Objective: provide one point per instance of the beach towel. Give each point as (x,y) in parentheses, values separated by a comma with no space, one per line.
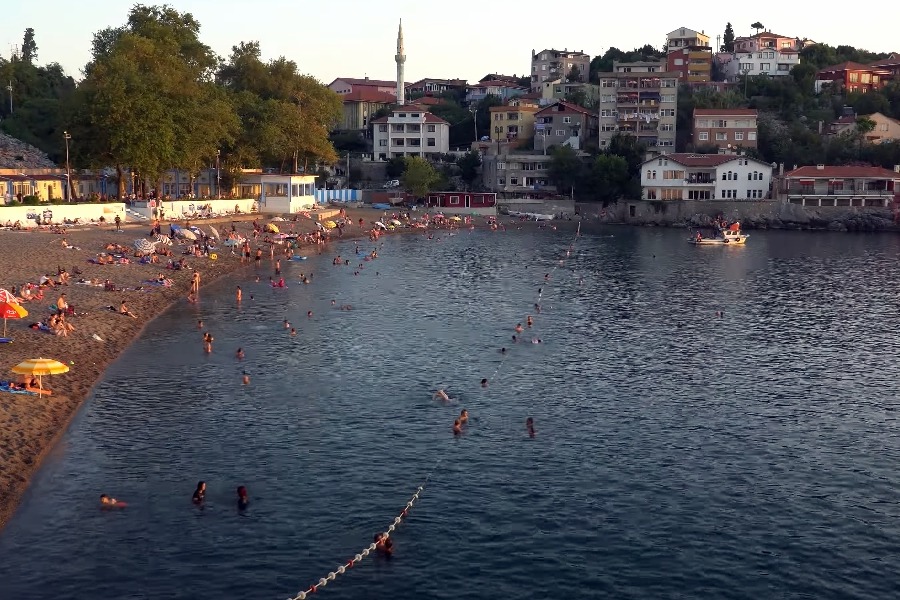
(4,387)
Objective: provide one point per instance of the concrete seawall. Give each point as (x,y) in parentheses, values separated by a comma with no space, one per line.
(753,214)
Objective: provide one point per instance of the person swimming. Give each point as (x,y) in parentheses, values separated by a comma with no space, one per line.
(529,426)
(293,331)
(243,500)
(463,417)
(107,502)
(384,544)
(457,427)
(503,350)
(529,321)
(519,328)
(484,382)
(239,354)
(200,493)
(246,378)
(444,397)
(287,324)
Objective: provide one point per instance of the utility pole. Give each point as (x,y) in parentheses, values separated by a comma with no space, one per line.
(218,176)
(475,122)
(9,87)
(67,137)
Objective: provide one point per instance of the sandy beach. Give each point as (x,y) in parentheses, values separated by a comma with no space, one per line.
(29,424)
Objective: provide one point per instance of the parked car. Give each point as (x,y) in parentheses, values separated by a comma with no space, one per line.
(392,183)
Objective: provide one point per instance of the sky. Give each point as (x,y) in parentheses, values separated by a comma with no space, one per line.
(463,39)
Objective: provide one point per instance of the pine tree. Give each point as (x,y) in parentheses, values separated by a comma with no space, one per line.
(29,47)
(728,39)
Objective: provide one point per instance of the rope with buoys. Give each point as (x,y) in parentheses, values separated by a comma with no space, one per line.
(358,558)
(343,568)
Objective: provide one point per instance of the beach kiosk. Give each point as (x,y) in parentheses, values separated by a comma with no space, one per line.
(282,194)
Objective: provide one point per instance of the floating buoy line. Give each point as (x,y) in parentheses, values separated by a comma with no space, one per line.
(343,568)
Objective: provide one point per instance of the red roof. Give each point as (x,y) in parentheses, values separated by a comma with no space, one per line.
(769,34)
(495,83)
(723,112)
(429,118)
(892,60)
(814,172)
(849,66)
(702,160)
(369,95)
(366,81)
(568,106)
(429,101)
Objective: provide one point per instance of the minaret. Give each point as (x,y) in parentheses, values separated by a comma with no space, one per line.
(400,58)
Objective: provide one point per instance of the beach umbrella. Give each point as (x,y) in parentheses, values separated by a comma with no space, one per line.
(214,233)
(271,228)
(380,225)
(38,367)
(330,224)
(164,240)
(6,296)
(187,235)
(11,310)
(144,246)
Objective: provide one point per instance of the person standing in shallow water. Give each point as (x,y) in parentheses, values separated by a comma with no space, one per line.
(243,500)
(200,493)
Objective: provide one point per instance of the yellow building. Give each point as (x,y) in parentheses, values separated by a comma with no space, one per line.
(513,123)
(46,184)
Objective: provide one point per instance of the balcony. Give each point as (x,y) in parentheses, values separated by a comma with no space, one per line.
(629,83)
(651,83)
(627,100)
(701,179)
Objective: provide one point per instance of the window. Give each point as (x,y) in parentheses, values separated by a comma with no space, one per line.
(667,112)
(854,77)
(651,194)
(382,128)
(607,112)
(402,115)
(883,127)
(560,132)
(671,194)
(667,127)
(501,181)
(744,67)
(382,142)
(513,181)
(607,83)
(751,176)
(679,61)
(724,177)
(415,115)
(673,174)
(607,127)
(454,200)
(501,166)
(721,136)
(431,142)
(720,123)
(738,136)
(702,123)
(751,135)
(649,173)
(667,98)
(665,143)
(866,78)
(431,128)
(567,119)
(667,83)
(703,136)
(723,192)
(699,195)
(765,66)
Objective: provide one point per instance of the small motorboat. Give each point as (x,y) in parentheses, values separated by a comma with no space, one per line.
(724,236)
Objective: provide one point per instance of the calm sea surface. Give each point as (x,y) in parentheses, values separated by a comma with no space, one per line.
(678,454)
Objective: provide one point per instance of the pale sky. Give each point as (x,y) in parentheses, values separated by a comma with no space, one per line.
(460,39)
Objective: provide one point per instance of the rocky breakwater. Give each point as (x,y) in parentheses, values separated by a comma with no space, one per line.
(16,154)
(751,214)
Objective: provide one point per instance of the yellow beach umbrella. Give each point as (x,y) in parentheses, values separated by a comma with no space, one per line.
(455,219)
(330,224)
(38,367)
(271,228)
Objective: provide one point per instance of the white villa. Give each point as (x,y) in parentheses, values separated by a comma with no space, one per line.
(410,131)
(705,177)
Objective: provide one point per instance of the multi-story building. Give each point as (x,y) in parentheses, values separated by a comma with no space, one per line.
(886,129)
(430,87)
(561,90)
(566,124)
(688,54)
(360,104)
(549,65)
(852,77)
(513,123)
(705,177)
(822,185)
(517,174)
(891,63)
(501,89)
(725,127)
(639,99)
(410,130)
(346,85)
(764,53)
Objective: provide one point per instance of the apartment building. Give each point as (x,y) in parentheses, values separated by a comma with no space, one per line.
(886,129)
(688,53)
(561,90)
(517,174)
(764,53)
(725,127)
(639,99)
(853,77)
(564,124)
(549,65)
(513,123)
(705,177)
(410,130)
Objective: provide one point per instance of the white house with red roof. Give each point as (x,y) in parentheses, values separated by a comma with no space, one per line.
(410,130)
(705,177)
(821,185)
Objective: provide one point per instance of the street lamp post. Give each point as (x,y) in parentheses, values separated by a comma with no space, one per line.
(68,137)
(475,122)
(218,176)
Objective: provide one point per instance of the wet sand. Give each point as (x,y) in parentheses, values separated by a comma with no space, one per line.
(29,424)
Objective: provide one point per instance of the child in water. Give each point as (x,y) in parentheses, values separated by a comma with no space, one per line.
(243,500)
(107,502)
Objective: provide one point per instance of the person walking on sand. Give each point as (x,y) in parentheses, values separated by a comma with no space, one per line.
(118,221)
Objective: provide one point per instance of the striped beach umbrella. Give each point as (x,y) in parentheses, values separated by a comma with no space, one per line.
(164,240)
(144,246)
(6,296)
(39,367)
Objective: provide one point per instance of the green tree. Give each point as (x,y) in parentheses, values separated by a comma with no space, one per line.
(574,74)
(607,178)
(395,167)
(29,47)
(566,168)
(757,26)
(728,39)
(468,165)
(420,176)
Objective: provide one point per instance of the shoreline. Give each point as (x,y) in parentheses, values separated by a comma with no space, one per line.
(32,426)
